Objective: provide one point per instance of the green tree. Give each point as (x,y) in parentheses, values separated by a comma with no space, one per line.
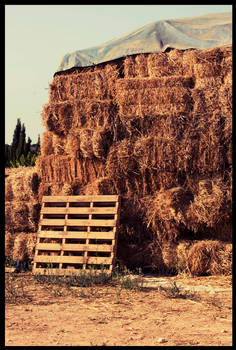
(15,140)
(21,143)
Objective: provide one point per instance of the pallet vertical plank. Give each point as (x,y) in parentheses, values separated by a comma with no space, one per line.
(38,236)
(65,230)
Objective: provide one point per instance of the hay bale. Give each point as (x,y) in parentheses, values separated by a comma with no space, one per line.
(165,211)
(208,204)
(103,186)
(21,216)
(205,258)
(22,185)
(58,89)
(165,64)
(58,117)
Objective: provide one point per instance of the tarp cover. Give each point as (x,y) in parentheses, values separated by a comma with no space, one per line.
(200,32)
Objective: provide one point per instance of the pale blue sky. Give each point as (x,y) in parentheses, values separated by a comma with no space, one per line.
(37,36)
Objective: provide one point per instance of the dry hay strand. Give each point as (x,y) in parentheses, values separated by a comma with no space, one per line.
(30,244)
(72,144)
(62,189)
(165,64)
(9,243)
(101,142)
(88,84)
(207,62)
(21,216)
(141,68)
(93,114)
(182,250)
(19,251)
(154,101)
(58,117)
(86,145)
(85,85)
(44,190)
(200,147)
(225,256)
(47,144)
(120,161)
(58,91)
(56,168)
(101,186)
(58,143)
(169,255)
(208,204)
(22,184)
(165,211)
(225,95)
(152,83)
(143,150)
(208,89)
(205,258)
(129,67)
(227,65)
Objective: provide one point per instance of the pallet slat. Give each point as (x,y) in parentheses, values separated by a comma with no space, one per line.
(82,210)
(77,222)
(101,198)
(75,247)
(77,234)
(73,259)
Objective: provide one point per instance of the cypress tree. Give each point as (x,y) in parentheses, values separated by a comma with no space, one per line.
(27,146)
(21,143)
(15,140)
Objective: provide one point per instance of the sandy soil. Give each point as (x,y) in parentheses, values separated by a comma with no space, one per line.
(114,316)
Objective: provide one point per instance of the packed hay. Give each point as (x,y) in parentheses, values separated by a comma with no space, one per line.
(22,184)
(210,258)
(24,246)
(21,216)
(157,130)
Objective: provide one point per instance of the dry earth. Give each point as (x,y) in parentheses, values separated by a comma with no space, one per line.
(111,315)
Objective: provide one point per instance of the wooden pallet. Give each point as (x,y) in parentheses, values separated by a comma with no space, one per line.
(77,233)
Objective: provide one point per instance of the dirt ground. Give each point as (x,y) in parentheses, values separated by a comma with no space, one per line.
(111,315)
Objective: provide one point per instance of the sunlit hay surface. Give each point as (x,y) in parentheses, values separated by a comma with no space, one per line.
(156,129)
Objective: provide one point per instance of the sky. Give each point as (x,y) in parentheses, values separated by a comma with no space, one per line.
(38,36)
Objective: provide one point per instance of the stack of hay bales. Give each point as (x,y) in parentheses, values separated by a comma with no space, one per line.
(156,129)
(22,210)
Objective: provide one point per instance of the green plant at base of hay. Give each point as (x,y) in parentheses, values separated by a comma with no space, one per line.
(173,291)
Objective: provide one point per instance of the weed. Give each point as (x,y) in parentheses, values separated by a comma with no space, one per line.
(173,291)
